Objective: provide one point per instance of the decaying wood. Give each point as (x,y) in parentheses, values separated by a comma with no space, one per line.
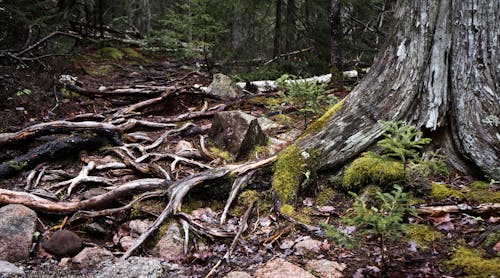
(64,208)
(477,209)
(49,151)
(38,130)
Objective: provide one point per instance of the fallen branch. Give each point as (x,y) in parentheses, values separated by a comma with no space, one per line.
(480,209)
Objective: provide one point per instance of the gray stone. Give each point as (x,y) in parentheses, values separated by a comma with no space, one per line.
(133,267)
(236,132)
(17,226)
(138,227)
(63,243)
(279,268)
(91,257)
(222,87)
(170,247)
(325,268)
(8,270)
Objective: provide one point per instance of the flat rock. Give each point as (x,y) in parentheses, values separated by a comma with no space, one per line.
(138,227)
(91,257)
(279,268)
(63,243)
(170,247)
(236,132)
(134,267)
(222,87)
(238,274)
(9,270)
(308,246)
(17,225)
(325,268)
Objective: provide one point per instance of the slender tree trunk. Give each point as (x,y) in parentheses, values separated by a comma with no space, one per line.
(291,13)
(277,29)
(335,38)
(147,26)
(439,71)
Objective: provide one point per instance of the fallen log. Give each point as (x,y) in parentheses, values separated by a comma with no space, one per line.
(49,151)
(110,131)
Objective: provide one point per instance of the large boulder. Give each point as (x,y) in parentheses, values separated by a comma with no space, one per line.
(236,132)
(63,244)
(222,87)
(17,225)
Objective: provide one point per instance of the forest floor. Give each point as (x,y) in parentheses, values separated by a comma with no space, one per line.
(422,251)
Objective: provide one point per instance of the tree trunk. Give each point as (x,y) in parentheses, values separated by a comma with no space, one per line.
(439,71)
(335,38)
(277,29)
(291,13)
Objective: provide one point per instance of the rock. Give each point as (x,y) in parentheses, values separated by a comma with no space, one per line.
(170,246)
(308,246)
(17,226)
(9,270)
(126,242)
(91,257)
(186,149)
(267,124)
(133,267)
(238,274)
(137,227)
(63,243)
(236,132)
(325,268)
(279,268)
(222,87)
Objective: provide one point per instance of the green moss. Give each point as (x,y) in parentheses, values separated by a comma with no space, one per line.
(133,54)
(371,170)
(471,262)
(440,192)
(289,170)
(482,195)
(324,196)
(259,152)
(492,239)
(111,53)
(248,197)
(479,185)
(69,94)
(319,123)
(222,154)
(423,235)
(289,211)
(283,119)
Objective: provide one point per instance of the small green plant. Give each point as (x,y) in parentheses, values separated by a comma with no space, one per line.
(24,92)
(431,163)
(309,98)
(402,141)
(17,165)
(384,220)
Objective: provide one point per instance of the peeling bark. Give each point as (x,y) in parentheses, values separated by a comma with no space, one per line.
(439,71)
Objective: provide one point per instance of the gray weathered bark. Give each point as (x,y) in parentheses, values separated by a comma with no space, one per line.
(439,71)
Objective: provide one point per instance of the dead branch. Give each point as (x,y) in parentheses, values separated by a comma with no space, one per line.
(479,209)
(235,189)
(64,208)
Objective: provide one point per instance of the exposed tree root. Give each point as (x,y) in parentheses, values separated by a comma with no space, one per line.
(64,208)
(477,209)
